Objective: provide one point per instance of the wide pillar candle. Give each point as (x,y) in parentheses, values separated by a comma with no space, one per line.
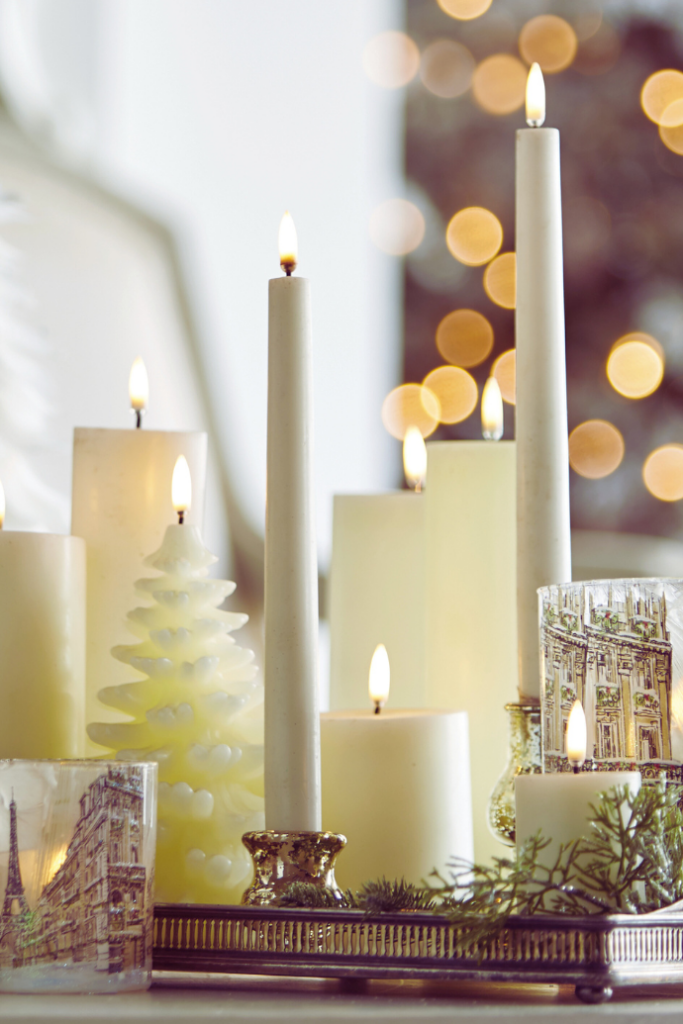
(543,536)
(42,645)
(121,507)
(292,729)
(471,639)
(397,785)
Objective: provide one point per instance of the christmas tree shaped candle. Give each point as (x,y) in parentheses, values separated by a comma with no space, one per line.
(198,712)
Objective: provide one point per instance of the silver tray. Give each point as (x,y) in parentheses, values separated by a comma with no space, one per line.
(595,954)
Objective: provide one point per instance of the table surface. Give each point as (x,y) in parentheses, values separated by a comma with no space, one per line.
(195,999)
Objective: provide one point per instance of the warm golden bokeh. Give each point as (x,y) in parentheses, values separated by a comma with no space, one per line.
(464,337)
(672,137)
(500,280)
(596,449)
(660,91)
(397,227)
(499,84)
(505,371)
(549,41)
(446,68)
(464,10)
(474,236)
(663,472)
(391,59)
(410,405)
(635,366)
(456,391)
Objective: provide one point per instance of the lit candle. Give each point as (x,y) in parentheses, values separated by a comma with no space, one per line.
(396,783)
(292,722)
(138,389)
(42,644)
(414,459)
(543,538)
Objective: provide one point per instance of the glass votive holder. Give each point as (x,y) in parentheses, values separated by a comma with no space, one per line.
(77,842)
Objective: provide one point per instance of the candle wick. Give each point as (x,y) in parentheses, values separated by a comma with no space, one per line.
(418,487)
(181,516)
(576,769)
(378,707)
(138,418)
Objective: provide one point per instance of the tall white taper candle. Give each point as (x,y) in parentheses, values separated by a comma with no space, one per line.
(543,538)
(292,720)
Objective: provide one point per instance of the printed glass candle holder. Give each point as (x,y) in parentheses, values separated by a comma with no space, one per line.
(77,843)
(617,646)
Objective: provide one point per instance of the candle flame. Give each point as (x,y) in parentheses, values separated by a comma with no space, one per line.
(492,411)
(414,459)
(535,97)
(576,735)
(138,386)
(288,244)
(2,506)
(380,676)
(181,486)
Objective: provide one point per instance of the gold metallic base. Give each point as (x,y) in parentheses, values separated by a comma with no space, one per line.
(524,759)
(281,858)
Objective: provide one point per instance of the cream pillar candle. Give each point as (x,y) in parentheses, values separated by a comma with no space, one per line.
(121,506)
(397,785)
(292,755)
(471,639)
(543,537)
(42,645)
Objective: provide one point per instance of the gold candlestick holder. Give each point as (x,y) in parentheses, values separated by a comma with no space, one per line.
(281,858)
(524,759)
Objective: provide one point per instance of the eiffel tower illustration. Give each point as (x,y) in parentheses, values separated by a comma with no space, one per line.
(15,886)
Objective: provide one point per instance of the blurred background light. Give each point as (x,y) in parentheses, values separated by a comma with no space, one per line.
(391,59)
(499,84)
(464,337)
(474,236)
(635,366)
(663,472)
(397,227)
(504,370)
(659,92)
(549,41)
(596,449)
(446,68)
(464,10)
(500,280)
(456,391)
(410,405)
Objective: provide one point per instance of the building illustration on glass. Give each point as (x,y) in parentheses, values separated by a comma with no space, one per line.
(607,646)
(96,907)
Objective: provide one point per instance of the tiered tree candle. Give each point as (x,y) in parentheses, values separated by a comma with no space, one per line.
(198,712)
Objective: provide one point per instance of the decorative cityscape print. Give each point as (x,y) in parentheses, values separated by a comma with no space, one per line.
(609,645)
(77,846)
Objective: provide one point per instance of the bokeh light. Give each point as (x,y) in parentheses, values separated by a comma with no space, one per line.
(549,41)
(446,68)
(499,84)
(456,391)
(505,371)
(500,280)
(397,227)
(672,137)
(596,449)
(474,236)
(391,59)
(464,337)
(410,405)
(635,366)
(663,472)
(659,92)
(464,10)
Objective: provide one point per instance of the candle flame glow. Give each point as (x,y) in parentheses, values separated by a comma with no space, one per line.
(535,97)
(380,677)
(181,486)
(414,459)
(576,735)
(2,506)
(492,411)
(138,386)
(288,244)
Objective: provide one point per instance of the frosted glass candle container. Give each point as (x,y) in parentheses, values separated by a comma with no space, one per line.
(42,645)
(397,785)
(470,603)
(377,595)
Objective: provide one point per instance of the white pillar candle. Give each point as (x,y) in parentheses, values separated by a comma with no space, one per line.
(121,507)
(292,724)
(471,639)
(42,645)
(543,538)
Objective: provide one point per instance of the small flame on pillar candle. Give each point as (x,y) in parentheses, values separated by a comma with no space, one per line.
(181,488)
(414,459)
(535,97)
(138,389)
(492,411)
(2,506)
(576,736)
(380,677)
(288,244)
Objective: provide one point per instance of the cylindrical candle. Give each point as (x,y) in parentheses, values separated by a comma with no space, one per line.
(543,537)
(42,645)
(471,640)
(397,785)
(121,507)
(292,724)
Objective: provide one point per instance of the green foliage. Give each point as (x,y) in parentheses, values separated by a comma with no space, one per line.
(380,897)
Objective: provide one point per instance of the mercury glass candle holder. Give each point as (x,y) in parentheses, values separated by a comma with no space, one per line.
(524,759)
(282,858)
